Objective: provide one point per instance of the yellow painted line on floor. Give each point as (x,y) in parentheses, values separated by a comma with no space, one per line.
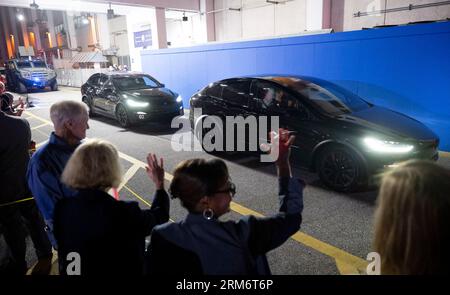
(39,126)
(41,132)
(38,118)
(140,198)
(444,154)
(347,262)
(128,175)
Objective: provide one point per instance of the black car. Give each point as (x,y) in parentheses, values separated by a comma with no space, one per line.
(342,137)
(130,98)
(26,74)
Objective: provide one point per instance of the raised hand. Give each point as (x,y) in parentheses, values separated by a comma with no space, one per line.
(155,170)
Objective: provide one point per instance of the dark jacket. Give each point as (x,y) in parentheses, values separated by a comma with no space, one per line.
(108,234)
(199,246)
(15,138)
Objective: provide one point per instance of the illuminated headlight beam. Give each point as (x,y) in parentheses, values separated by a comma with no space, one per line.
(137,104)
(381,146)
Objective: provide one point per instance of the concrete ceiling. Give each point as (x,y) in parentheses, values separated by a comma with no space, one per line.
(100,6)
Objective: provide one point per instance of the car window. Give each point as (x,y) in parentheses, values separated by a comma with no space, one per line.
(272,97)
(236,92)
(135,82)
(23,64)
(93,80)
(102,80)
(39,64)
(214,90)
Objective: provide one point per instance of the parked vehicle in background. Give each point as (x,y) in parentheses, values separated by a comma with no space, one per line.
(130,98)
(342,137)
(26,74)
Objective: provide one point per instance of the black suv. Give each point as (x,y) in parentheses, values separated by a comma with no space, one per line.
(24,74)
(130,98)
(342,137)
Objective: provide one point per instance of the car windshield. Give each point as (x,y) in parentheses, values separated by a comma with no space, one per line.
(23,64)
(39,64)
(329,97)
(135,82)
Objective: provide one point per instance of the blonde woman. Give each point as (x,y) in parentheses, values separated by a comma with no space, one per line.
(412,221)
(108,234)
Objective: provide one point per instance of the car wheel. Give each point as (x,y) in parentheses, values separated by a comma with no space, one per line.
(54,87)
(122,116)
(22,88)
(340,168)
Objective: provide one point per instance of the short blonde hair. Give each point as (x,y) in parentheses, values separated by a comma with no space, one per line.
(66,110)
(412,220)
(95,165)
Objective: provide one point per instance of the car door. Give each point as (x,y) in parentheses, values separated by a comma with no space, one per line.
(91,86)
(100,99)
(110,97)
(273,100)
(235,98)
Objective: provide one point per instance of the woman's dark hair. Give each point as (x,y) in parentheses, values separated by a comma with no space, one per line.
(193,179)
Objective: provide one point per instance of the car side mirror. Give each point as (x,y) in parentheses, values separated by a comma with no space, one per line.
(163,85)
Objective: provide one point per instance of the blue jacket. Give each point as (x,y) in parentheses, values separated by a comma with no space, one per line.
(196,246)
(44,173)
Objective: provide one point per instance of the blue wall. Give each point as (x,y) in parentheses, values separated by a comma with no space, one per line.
(405,68)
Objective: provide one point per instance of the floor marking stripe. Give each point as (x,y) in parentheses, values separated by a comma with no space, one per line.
(128,175)
(444,154)
(39,126)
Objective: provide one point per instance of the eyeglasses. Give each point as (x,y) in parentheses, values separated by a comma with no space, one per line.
(230,190)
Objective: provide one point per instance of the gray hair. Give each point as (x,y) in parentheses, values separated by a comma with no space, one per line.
(66,110)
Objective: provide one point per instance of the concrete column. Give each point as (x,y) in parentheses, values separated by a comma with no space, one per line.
(24,31)
(37,33)
(69,26)
(51,28)
(13,27)
(102,29)
(326,15)
(314,14)
(161,27)
(205,6)
(6,32)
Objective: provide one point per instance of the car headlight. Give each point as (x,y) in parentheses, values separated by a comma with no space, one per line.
(385,146)
(179,98)
(137,104)
(25,74)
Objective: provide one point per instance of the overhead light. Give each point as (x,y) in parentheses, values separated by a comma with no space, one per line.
(85,20)
(34,5)
(20,17)
(185,18)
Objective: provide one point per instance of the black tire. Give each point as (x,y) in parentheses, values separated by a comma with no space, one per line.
(122,116)
(340,169)
(54,87)
(21,88)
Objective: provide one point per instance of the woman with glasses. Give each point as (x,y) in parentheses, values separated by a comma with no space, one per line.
(203,244)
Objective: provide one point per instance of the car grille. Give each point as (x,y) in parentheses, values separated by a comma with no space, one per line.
(39,75)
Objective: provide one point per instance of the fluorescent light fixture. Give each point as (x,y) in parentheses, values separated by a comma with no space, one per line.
(179,98)
(384,146)
(137,104)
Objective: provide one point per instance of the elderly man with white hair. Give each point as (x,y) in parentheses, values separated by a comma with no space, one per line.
(70,120)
